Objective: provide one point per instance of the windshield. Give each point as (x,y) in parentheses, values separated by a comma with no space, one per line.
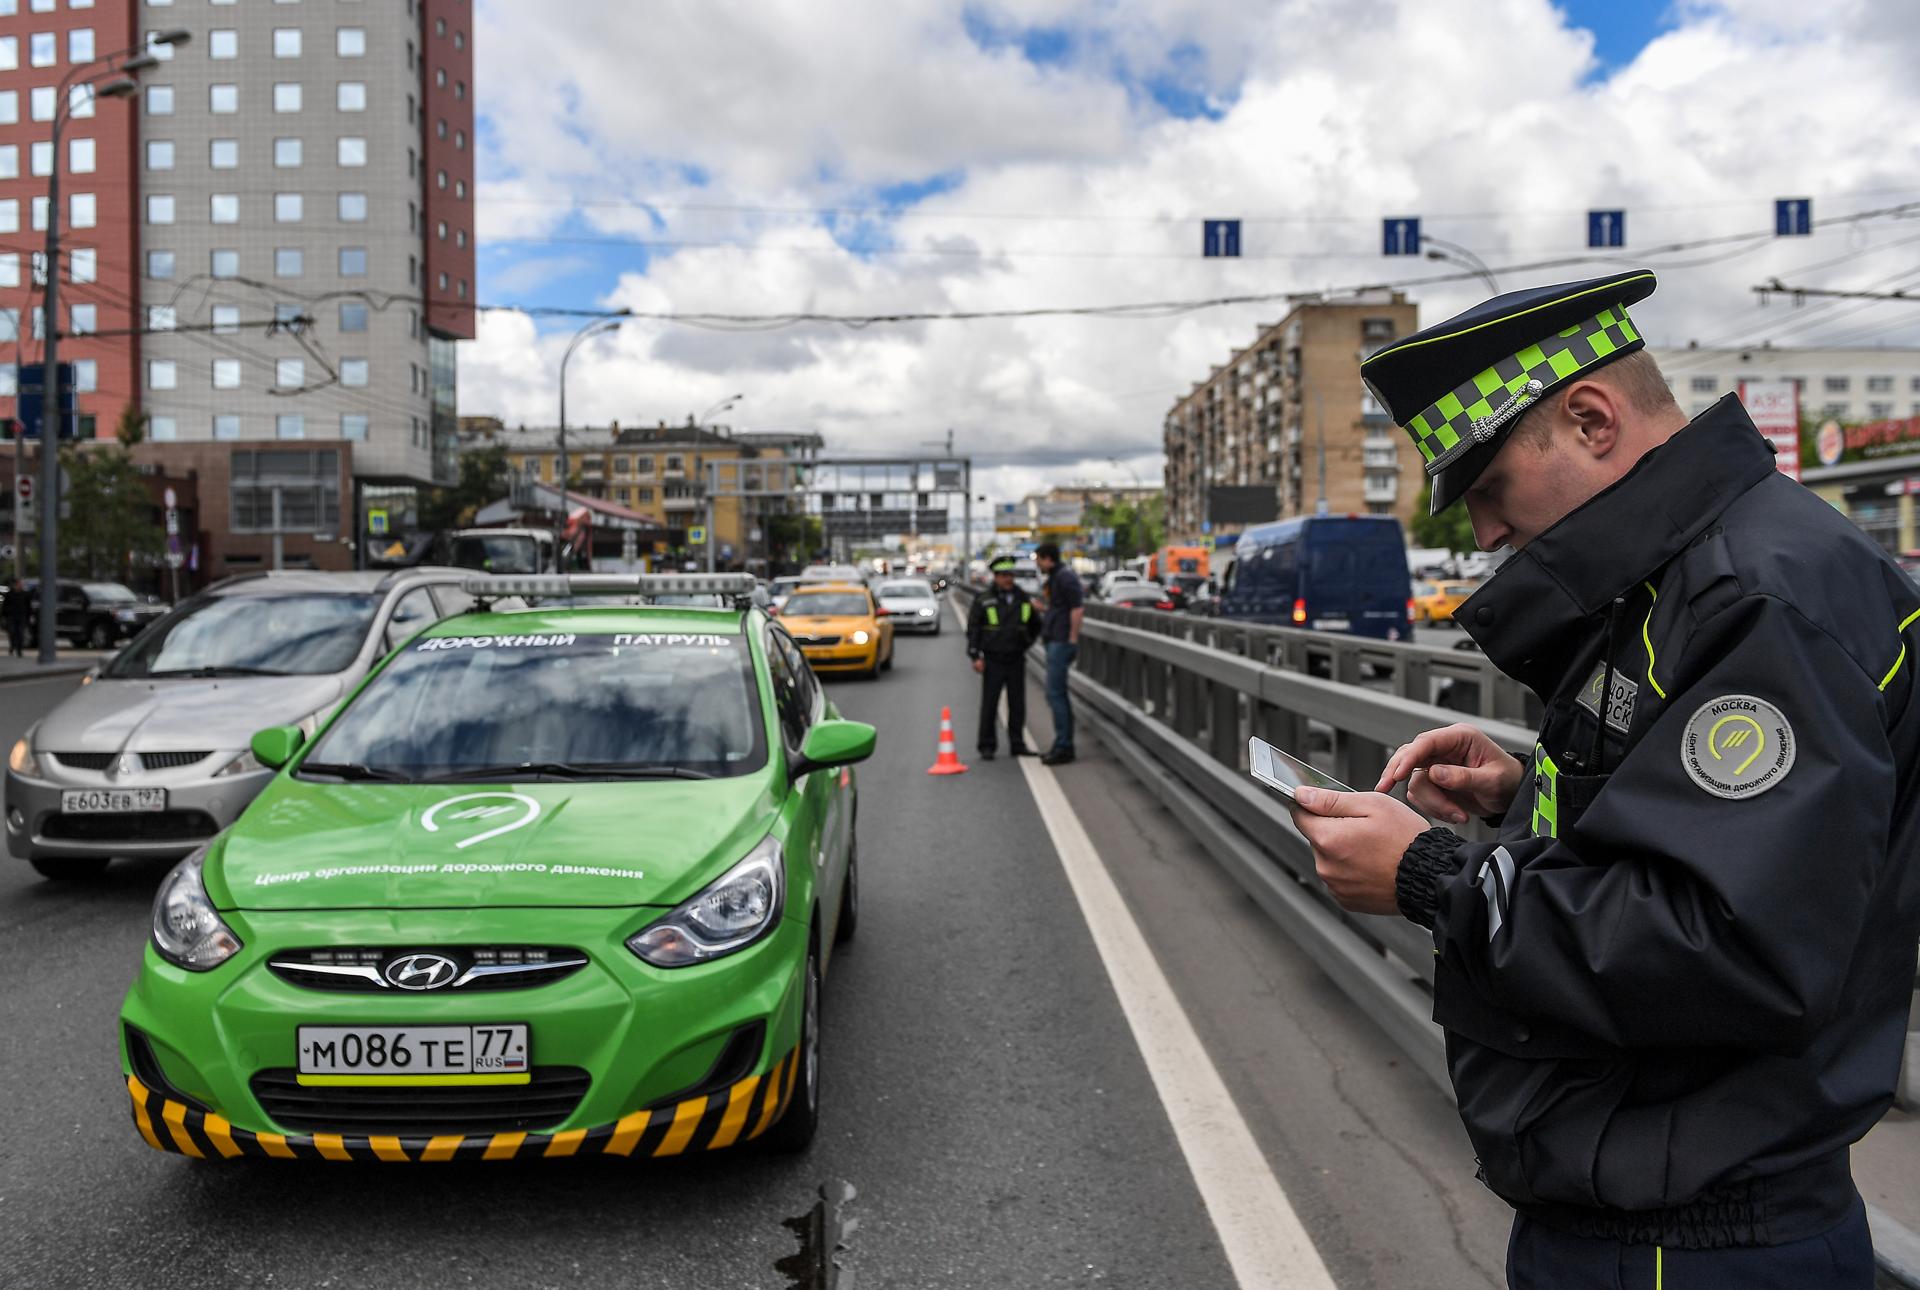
(109,593)
(558,703)
(499,553)
(828,604)
(304,633)
(907,591)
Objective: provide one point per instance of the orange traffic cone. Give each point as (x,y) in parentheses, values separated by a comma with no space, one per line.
(947,762)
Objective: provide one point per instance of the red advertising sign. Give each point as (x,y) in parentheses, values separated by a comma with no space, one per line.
(1775,409)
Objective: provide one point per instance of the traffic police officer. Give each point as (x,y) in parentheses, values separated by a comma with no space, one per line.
(1676,988)
(1001,626)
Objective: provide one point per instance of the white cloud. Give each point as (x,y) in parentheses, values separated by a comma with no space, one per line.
(1077,189)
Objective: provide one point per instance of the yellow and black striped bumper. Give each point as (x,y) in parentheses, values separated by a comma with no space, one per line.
(738,1113)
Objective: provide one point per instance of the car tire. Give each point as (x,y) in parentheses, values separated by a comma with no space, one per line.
(849,921)
(84,869)
(794,1131)
(98,637)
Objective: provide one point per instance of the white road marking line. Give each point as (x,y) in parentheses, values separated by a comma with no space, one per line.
(1266,1246)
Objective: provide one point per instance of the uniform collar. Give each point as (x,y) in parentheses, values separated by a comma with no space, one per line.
(1524,617)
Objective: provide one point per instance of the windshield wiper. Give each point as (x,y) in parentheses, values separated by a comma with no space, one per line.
(354,770)
(222,670)
(571,770)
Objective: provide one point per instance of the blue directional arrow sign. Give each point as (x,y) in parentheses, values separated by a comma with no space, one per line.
(1606,228)
(1400,236)
(1793,217)
(1220,237)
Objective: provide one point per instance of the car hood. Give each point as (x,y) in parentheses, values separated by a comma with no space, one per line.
(908,604)
(174,715)
(827,623)
(310,845)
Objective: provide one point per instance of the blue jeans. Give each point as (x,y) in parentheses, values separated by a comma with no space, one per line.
(1060,657)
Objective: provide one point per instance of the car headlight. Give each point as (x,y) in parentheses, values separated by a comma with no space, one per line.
(186,928)
(732,913)
(927,613)
(860,638)
(125,616)
(245,764)
(21,761)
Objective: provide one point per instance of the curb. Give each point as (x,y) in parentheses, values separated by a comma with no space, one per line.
(44,673)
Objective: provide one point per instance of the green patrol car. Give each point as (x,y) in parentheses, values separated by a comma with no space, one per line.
(552,882)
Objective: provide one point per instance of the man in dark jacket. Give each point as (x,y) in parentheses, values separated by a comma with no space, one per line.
(1000,628)
(18,609)
(1675,990)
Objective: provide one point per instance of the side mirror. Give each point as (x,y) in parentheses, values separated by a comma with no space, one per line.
(275,746)
(831,743)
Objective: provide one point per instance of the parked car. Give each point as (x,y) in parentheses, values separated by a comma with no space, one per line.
(151,758)
(1113,578)
(1329,573)
(1143,595)
(97,615)
(911,604)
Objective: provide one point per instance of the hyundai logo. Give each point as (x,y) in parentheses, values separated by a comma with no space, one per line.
(421,971)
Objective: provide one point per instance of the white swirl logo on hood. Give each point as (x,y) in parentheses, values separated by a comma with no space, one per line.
(498,804)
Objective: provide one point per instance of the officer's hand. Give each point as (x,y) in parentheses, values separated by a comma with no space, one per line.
(979,665)
(1455,772)
(1357,840)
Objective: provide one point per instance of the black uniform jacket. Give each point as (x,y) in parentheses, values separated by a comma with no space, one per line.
(1007,640)
(1677,988)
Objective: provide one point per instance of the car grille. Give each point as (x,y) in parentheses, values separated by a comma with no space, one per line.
(545,1101)
(818,640)
(86,760)
(130,826)
(151,760)
(358,969)
(171,760)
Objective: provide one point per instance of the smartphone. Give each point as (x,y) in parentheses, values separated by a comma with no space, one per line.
(1283,772)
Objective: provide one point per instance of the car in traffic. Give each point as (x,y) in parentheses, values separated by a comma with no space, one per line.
(780,588)
(501,550)
(1143,595)
(1325,573)
(1113,579)
(438,935)
(842,573)
(93,615)
(1434,603)
(150,757)
(911,605)
(840,628)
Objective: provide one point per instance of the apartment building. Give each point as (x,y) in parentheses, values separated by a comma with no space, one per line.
(1289,413)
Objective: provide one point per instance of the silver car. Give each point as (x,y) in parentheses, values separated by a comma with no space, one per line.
(910,604)
(150,757)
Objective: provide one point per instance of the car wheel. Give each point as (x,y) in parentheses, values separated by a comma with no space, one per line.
(99,637)
(794,1132)
(84,869)
(849,898)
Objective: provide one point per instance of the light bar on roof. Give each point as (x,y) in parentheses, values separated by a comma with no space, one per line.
(554,585)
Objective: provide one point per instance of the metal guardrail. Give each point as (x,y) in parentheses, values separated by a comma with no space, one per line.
(1175,697)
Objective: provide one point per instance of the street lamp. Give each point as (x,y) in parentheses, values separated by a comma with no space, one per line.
(607,323)
(115,65)
(721,406)
(1451,253)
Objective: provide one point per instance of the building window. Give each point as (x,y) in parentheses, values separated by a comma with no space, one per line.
(86,376)
(40,158)
(162,52)
(460,189)
(440,127)
(441,179)
(223,99)
(1838,384)
(83,320)
(224,208)
(289,426)
(1703,384)
(460,140)
(353,208)
(459,40)
(353,372)
(226,373)
(40,220)
(289,314)
(226,426)
(440,77)
(44,99)
(442,230)
(223,43)
(1834,410)
(225,263)
(287,96)
(159,100)
(623,465)
(645,494)
(443,281)
(288,208)
(351,96)
(289,373)
(9,53)
(80,155)
(80,102)
(352,150)
(83,265)
(9,107)
(286,153)
(353,425)
(353,261)
(161,429)
(160,264)
(439,26)
(43,49)
(353,315)
(159,154)
(10,219)
(1879,385)
(10,267)
(350,42)
(162,318)
(83,211)
(1880,411)
(286,42)
(162,374)
(460,237)
(460,288)
(289,262)
(224,154)
(226,320)
(460,89)
(160,208)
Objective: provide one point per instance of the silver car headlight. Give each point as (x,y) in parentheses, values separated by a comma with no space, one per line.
(928,613)
(731,913)
(186,928)
(22,760)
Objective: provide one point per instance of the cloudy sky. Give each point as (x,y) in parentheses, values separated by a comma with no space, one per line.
(877,156)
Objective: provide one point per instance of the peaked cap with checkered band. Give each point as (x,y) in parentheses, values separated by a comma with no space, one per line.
(1459,388)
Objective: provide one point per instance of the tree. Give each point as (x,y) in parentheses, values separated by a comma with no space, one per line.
(1138,527)
(109,525)
(1450,528)
(485,477)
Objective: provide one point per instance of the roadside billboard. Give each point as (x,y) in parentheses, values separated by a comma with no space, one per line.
(1775,409)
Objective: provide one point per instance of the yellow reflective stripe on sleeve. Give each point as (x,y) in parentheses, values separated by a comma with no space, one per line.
(1894,671)
(331,1146)
(275,1145)
(221,1133)
(1659,1268)
(175,1114)
(504,1146)
(388,1147)
(565,1143)
(442,1146)
(1648,641)
(686,1118)
(739,1102)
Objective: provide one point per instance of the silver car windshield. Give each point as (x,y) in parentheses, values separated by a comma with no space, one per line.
(293,634)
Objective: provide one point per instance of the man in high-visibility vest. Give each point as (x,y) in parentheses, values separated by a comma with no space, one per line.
(1000,629)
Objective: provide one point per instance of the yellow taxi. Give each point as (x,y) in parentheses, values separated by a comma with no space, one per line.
(839,627)
(1434,602)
